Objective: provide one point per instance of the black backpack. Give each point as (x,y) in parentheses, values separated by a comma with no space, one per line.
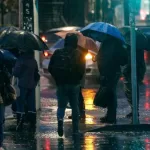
(62,64)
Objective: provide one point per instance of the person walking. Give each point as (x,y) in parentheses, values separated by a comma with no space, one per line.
(141,69)
(111,56)
(67,69)
(26,70)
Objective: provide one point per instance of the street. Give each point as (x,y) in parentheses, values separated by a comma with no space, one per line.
(46,137)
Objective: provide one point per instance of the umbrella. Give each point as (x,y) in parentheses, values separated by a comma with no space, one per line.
(100,30)
(7,57)
(5,30)
(22,41)
(141,40)
(83,41)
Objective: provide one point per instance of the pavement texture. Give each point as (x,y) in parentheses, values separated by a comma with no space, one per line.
(108,137)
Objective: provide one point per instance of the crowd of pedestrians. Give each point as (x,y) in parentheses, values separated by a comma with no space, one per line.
(67,66)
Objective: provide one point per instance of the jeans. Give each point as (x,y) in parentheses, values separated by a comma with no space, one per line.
(27,96)
(2,111)
(68,93)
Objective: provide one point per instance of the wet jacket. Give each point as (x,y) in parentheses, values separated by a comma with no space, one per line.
(111,56)
(78,61)
(78,69)
(25,69)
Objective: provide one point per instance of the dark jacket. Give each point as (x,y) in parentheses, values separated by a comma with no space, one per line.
(111,56)
(78,68)
(140,65)
(26,69)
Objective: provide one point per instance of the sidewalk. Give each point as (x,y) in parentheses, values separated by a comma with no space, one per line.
(46,137)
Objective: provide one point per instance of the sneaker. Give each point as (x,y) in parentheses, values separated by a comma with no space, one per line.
(60,128)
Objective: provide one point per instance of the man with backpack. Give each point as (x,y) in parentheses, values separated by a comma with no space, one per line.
(67,69)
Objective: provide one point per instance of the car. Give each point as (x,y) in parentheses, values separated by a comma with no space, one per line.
(91,66)
(49,37)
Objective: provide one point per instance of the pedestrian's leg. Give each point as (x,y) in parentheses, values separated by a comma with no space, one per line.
(20,108)
(128,93)
(73,99)
(2,110)
(112,107)
(62,97)
(81,104)
(31,108)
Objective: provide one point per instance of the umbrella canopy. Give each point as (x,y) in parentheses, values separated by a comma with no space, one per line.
(6,30)
(83,41)
(100,30)
(141,40)
(8,57)
(22,41)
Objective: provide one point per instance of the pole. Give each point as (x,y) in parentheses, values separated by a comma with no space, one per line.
(2,12)
(132,7)
(20,13)
(37,54)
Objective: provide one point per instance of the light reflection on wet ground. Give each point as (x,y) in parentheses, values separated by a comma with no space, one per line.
(46,135)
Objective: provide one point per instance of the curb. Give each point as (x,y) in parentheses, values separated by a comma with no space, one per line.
(122,128)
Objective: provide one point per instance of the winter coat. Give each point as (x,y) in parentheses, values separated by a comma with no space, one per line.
(111,56)
(25,70)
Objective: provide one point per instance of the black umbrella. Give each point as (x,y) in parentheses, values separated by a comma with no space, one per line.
(7,58)
(141,40)
(6,30)
(22,41)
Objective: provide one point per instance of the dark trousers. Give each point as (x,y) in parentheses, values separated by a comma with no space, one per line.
(68,93)
(27,97)
(111,84)
(81,103)
(128,91)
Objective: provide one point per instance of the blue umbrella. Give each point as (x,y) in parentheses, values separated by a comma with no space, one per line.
(99,30)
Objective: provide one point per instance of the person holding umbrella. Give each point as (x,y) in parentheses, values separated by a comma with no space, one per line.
(111,56)
(26,70)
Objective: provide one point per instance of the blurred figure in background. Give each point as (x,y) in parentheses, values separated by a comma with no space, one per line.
(141,69)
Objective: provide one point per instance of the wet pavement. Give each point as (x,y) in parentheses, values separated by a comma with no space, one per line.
(46,137)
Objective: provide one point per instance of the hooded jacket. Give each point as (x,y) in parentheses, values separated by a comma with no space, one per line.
(77,59)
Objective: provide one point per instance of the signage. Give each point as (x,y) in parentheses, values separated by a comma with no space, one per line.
(28,18)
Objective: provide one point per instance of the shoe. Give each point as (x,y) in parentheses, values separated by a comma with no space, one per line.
(60,128)
(106,120)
